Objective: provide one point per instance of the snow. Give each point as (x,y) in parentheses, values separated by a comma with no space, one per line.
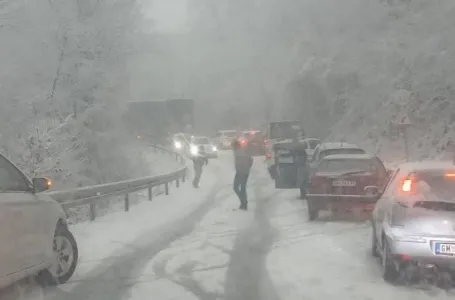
(174,248)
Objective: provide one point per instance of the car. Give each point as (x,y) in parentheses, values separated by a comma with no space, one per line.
(254,141)
(180,142)
(339,181)
(413,223)
(210,148)
(224,138)
(331,148)
(35,239)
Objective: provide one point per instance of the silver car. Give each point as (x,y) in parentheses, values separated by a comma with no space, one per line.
(414,222)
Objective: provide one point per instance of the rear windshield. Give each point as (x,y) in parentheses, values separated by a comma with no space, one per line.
(255,135)
(438,190)
(351,165)
(201,140)
(328,152)
(232,133)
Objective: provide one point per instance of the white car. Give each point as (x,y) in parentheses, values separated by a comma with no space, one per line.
(210,148)
(34,235)
(225,138)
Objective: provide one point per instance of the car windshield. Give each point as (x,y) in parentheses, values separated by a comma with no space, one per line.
(201,140)
(349,165)
(328,152)
(285,130)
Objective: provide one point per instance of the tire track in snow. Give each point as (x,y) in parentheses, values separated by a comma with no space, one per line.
(247,276)
(114,279)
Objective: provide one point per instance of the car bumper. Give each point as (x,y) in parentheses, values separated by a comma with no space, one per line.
(422,252)
(340,202)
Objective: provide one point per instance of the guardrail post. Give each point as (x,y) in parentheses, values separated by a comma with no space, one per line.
(166,188)
(177,182)
(150,194)
(127,202)
(92,211)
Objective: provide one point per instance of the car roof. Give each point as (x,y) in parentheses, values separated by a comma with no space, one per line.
(338,145)
(429,165)
(228,130)
(349,156)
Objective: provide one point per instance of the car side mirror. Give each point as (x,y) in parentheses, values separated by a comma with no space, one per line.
(372,190)
(41,184)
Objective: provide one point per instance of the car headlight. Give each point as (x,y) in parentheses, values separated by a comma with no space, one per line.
(193,150)
(214,148)
(178,145)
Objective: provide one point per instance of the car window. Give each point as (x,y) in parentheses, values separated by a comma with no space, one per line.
(201,140)
(313,144)
(315,155)
(11,179)
(350,165)
(328,152)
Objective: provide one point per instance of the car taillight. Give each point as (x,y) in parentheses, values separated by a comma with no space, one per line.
(243,142)
(268,155)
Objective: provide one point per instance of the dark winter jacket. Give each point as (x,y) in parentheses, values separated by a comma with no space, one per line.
(199,160)
(243,161)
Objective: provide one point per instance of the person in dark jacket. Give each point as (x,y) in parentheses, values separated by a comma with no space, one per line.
(302,167)
(199,160)
(243,163)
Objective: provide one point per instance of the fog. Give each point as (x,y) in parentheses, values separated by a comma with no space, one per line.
(344,68)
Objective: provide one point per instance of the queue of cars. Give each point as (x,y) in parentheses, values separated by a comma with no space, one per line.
(412,209)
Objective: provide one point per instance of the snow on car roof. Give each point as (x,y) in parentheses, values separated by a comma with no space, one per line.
(349,156)
(338,145)
(430,165)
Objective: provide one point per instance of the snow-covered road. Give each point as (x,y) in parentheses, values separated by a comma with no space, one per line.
(193,245)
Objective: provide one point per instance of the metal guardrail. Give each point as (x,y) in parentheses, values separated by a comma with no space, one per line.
(92,195)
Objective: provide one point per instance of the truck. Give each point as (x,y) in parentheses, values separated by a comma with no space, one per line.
(155,120)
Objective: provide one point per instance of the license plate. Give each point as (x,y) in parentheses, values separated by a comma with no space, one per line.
(445,249)
(344,183)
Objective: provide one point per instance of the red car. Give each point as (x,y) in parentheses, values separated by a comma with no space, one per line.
(340,183)
(255,141)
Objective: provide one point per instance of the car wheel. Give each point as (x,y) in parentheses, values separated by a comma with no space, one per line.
(374,242)
(390,272)
(65,259)
(313,211)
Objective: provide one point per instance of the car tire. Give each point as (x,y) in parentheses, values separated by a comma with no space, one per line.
(65,250)
(390,272)
(374,242)
(313,211)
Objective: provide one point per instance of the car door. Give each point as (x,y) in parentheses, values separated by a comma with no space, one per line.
(27,216)
(8,257)
(384,202)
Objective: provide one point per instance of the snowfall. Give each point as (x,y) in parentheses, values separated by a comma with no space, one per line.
(195,244)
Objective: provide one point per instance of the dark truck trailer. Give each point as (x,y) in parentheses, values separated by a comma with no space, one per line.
(181,114)
(147,119)
(155,120)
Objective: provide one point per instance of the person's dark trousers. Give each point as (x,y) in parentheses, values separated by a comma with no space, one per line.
(197,175)
(240,181)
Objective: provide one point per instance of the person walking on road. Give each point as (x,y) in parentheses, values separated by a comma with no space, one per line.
(199,160)
(243,163)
